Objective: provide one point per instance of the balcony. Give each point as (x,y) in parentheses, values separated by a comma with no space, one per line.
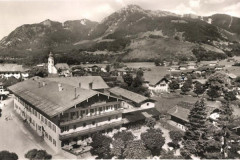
(91,130)
(110,113)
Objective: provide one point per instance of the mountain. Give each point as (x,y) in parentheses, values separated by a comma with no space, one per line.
(47,33)
(130,34)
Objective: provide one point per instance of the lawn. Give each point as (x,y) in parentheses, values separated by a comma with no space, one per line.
(166,101)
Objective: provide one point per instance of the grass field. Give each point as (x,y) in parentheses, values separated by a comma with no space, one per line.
(163,104)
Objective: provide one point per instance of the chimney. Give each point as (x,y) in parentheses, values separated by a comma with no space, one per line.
(80,85)
(60,88)
(44,83)
(90,85)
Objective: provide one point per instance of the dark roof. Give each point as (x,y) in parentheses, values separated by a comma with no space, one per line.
(48,98)
(163,79)
(97,81)
(137,98)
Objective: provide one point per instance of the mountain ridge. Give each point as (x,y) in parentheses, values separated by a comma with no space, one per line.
(120,31)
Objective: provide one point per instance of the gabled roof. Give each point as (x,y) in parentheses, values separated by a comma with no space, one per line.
(47,98)
(163,79)
(137,98)
(63,66)
(97,81)
(179,112)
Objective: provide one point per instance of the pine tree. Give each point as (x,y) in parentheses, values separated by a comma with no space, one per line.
(195,136)
(197,121)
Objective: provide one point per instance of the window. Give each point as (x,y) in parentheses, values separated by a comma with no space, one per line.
(46,134)
(100,109)
(147,104)
(74,126)
(53,127)
(54,142)
(42,118)
(107,107)
(84,124)
(49,124)
(116,117)
(50,138)
(91,111)
(109,118)
(93,122)
(35,113)
(115,106)
(46,121)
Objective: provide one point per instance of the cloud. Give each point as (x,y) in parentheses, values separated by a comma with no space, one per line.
(183,9)
(194,3)
(233,9)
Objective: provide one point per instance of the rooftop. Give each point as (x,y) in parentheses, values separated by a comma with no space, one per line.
(137,98)
(12,68)
(179,112)
(47,98)
(63,66)
(97,81)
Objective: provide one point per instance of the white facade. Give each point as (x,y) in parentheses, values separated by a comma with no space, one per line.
(39,123)
(51,67)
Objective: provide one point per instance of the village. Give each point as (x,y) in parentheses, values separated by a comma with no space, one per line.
(65,106)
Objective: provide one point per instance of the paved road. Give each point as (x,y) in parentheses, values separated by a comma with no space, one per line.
(16,136)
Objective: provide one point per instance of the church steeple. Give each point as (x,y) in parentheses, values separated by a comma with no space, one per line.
(51,67)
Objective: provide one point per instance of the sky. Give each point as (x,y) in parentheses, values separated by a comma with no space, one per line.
(14,13)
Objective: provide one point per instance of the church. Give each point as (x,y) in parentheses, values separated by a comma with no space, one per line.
(60,68)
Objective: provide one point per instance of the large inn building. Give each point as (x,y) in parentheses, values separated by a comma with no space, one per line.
(62,110)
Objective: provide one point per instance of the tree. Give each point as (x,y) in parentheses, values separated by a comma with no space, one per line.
(197,126)
(136,150)
(150,122)
(125,136)
(176,135)
(153,140)
(118,147)
(120,142)
(213,92)
(38,71)
(35,154)
(173,85)
(101,146)
(185,88)
(6,155)
(128,78)
(230,96)
(199,88)
(158,62)
(108,68)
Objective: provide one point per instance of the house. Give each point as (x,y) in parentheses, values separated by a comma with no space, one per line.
(183,67)
(160,86)
(219,67)
(213,63)
(179,114)
(179,117)
(65,112)
(62,113)
(61,68)
(3,92)
(192,65)
(135,106)
(13,70)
